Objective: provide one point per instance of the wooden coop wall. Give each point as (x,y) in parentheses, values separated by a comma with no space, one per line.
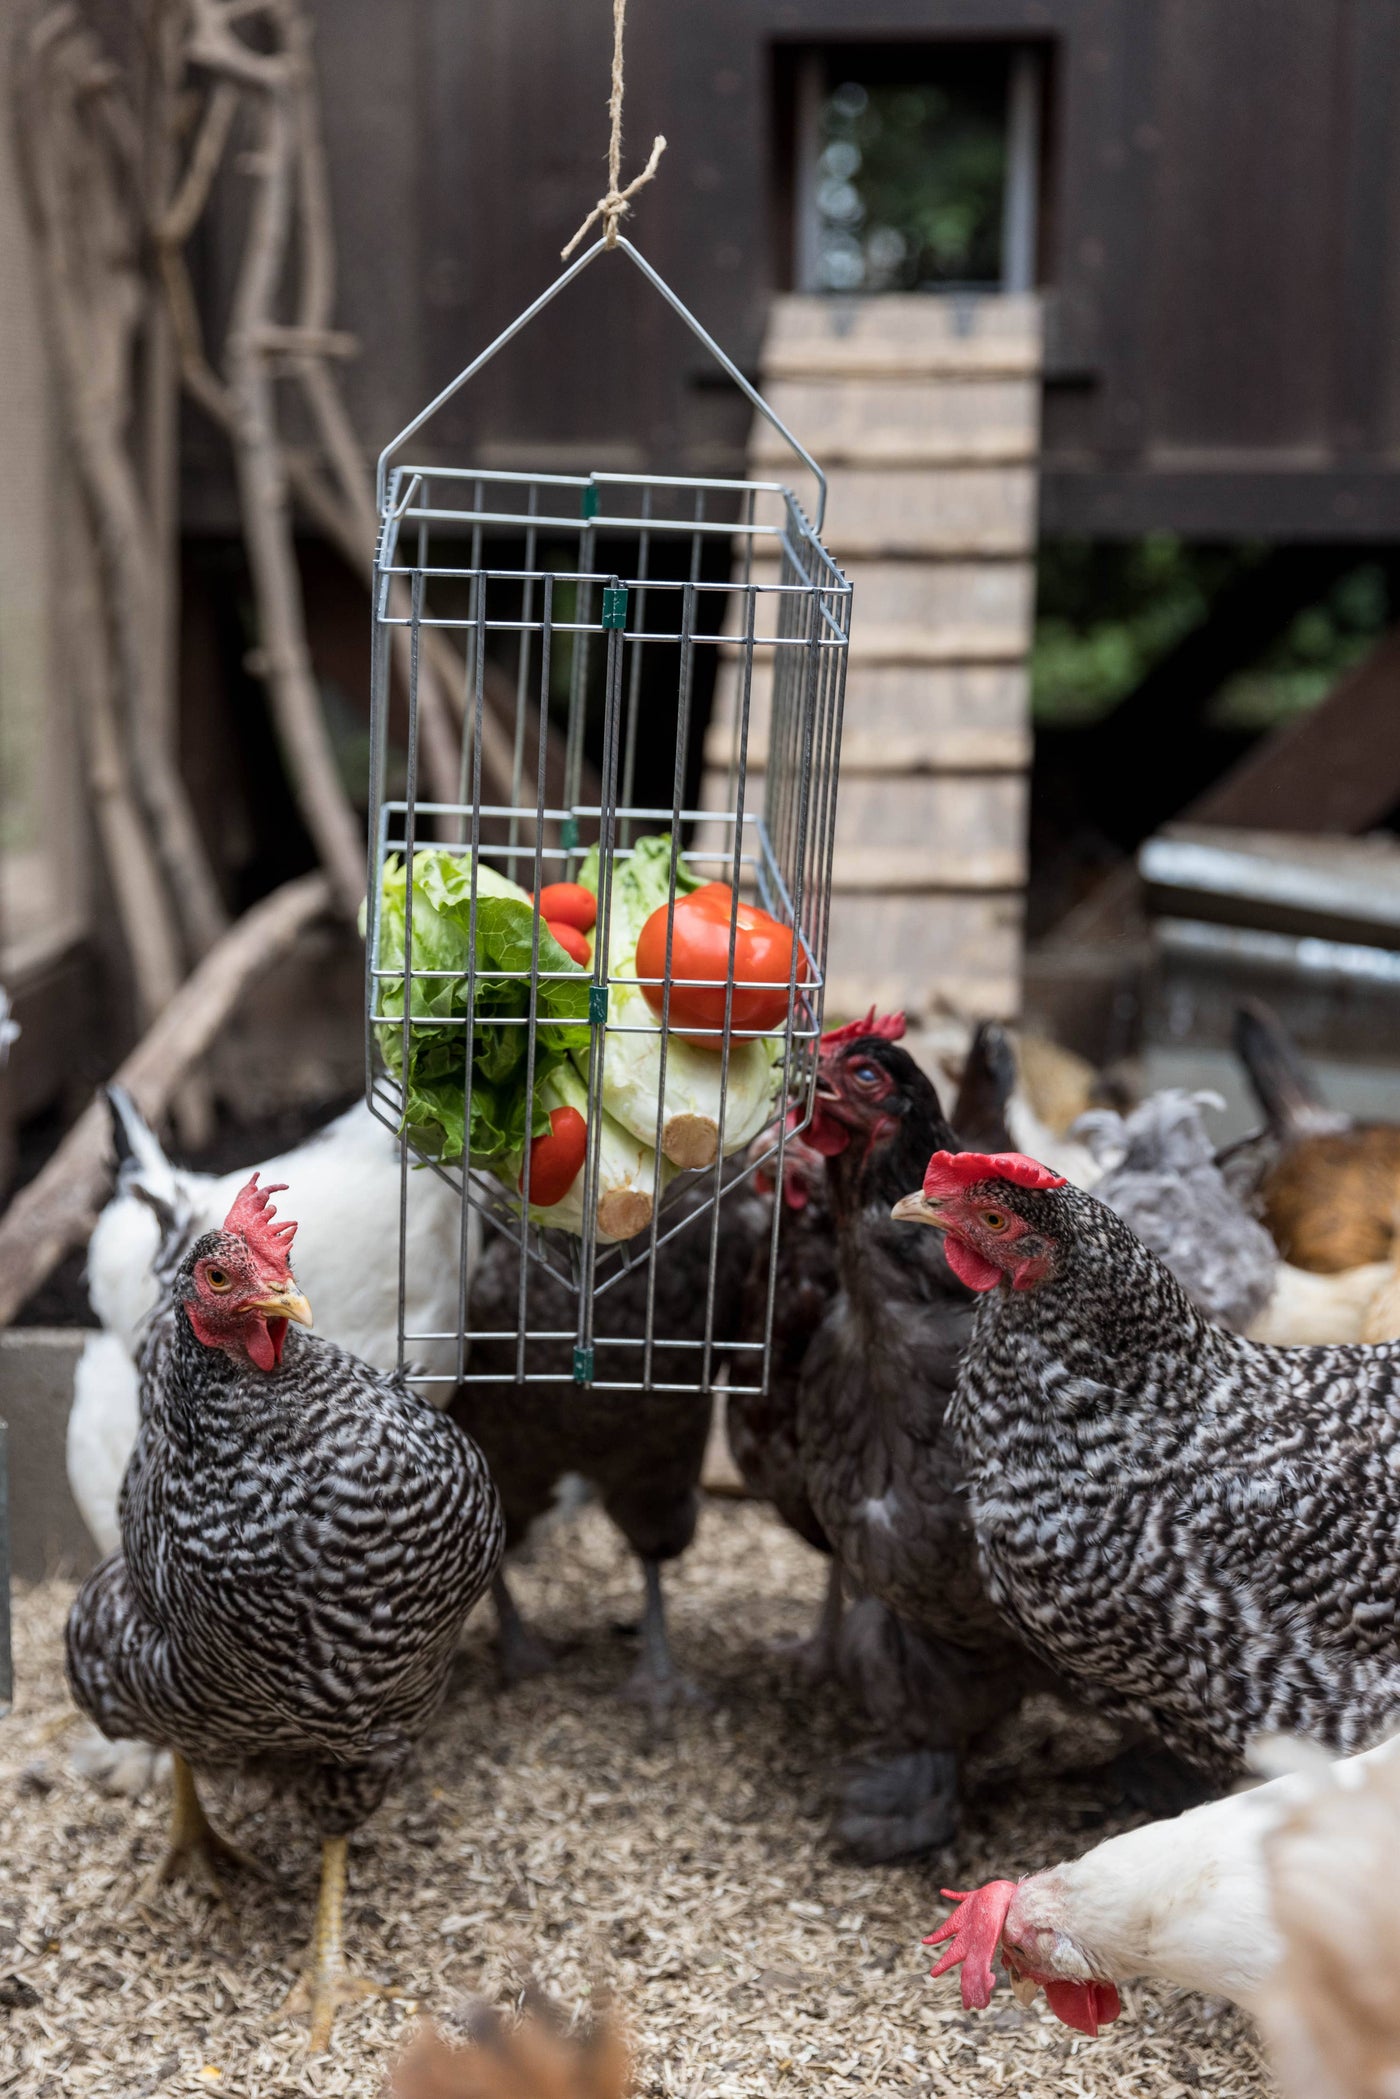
(925,414)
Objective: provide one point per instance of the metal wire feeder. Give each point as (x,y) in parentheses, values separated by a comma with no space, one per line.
(517,565)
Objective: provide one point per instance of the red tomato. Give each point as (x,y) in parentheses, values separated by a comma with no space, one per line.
(571,940)
(569,904)
(700,948)
(555,1160)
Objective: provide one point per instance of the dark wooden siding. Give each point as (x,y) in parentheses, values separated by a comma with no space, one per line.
(1222,254)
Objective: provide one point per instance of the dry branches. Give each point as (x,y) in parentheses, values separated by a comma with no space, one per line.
(58,1209)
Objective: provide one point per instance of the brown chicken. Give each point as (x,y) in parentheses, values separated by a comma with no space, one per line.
(1328,1187)
(537,2058)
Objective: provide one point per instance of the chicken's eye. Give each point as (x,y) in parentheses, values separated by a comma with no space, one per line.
(866,1073)
(218,1279)
(994,1220)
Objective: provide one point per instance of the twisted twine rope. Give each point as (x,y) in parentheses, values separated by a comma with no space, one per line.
(610,207)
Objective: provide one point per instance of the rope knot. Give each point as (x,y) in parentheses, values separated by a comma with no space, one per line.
(613,204)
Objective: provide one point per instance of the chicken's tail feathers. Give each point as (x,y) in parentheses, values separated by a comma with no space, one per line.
(137,1147)
(987,1084)
(1284,1087)
(143,1171)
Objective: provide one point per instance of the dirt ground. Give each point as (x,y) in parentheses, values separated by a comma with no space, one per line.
(547,1837)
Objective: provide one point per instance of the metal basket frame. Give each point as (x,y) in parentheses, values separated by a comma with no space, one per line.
(777,851)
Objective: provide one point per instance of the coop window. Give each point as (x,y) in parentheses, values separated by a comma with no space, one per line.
(917,167)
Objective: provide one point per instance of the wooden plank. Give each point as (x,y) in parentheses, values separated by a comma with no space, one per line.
(965,749)
(903,422)
(903,334)
(924,952)
(926,709)
(959,511)
(917,870)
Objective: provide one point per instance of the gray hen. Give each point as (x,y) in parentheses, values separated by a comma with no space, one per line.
(1161,1178)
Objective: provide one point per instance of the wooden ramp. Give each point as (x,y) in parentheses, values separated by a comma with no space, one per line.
(925,414)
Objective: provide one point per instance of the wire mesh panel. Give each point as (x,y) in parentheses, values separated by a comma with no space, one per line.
(607,1072)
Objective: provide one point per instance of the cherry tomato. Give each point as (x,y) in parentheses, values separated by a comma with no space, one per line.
(571,940)
(569,904)
(700,948)
(555,1160)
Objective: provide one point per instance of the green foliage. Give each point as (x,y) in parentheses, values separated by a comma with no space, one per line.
(910,181)
(1305,663)
(1107,612)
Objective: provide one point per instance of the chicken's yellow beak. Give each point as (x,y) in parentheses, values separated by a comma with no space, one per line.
(917,1209)
(286,1303)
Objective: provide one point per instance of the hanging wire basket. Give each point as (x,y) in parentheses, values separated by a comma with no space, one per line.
(586,606)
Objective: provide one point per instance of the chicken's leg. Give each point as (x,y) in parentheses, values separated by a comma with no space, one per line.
(523,1653)
(816,1654)
(195,1849)
(656,1682)
(325,1982)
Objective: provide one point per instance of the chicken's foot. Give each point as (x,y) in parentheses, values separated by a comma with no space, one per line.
(656,1682)
(522,1653)
(194,1850)
(326,1983)
(814,1656)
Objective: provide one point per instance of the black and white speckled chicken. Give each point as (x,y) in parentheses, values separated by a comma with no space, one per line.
(926,1654)
(1199,1532)
(302,1539)
(641,1449)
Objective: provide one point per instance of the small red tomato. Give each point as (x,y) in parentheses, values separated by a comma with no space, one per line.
(571,940)
(700,948)
(555,1160)
(569,904)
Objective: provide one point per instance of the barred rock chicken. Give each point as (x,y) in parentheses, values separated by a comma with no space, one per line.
(642,1450)
(1224,1899)
(347,1181)
(1199,1532)
(883,1474)
(302,1539)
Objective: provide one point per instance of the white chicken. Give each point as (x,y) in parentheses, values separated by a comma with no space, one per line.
(1188,1901)
(347,1179)
(1331,2009)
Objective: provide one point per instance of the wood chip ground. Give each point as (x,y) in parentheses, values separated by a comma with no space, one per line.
(546,1836)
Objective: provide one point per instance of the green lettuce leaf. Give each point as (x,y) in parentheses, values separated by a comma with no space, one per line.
(434,1086)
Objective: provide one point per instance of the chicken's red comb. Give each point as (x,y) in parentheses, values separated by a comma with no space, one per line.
(950,1171)
(889,1025)
(251,1218)
(975,1929)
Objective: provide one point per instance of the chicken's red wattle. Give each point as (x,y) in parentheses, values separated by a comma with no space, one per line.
(975,1929)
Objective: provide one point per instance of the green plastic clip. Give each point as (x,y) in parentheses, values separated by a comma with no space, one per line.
(568,833)
(615,607)
(590,501)
(583,1366)
(597,1004)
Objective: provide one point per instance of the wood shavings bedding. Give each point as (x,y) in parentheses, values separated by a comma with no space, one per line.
(545,1836)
